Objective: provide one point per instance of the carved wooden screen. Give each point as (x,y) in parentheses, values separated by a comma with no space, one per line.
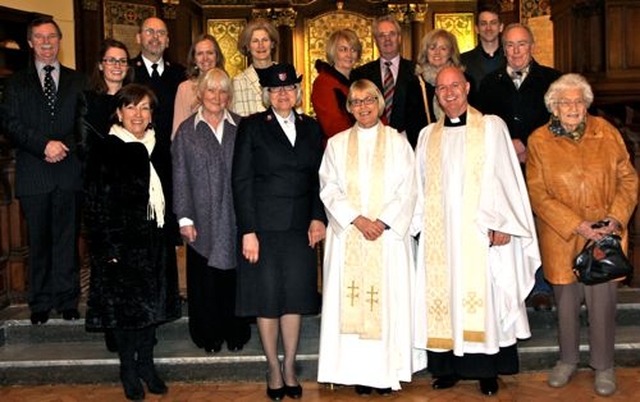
(316,33)
(227,32)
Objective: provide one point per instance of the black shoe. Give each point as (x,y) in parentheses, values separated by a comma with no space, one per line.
(294,392)
(70,314)
(131,384)
(363,390)
(235,346)
(39,317)
(383,391)
(110,341)
(444,382)
(214,348)
(542,302)
(276,394)
(489,386)
(155,384)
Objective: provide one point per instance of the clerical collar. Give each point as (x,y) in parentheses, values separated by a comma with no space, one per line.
(456,121)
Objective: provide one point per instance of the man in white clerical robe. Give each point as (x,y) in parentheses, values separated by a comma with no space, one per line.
(478,250)
(368,188)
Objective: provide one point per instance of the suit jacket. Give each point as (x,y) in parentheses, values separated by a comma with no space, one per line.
(275,184)
(165,89)
(28,122)
(522,109)
(371,71)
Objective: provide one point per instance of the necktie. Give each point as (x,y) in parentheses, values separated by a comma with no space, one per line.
(516,76)
(388,87)
(155,73)
(50,90)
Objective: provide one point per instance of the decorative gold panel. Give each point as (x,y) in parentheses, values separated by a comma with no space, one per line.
(227,33)
(316,33)
(461,26)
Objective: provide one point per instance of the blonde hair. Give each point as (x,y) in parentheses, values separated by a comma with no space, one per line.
(369,88)
(346,34)
(431,38)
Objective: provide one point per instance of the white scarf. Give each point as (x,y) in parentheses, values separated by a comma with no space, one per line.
(155,208)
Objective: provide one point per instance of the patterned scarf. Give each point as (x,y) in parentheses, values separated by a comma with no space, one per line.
(558,130)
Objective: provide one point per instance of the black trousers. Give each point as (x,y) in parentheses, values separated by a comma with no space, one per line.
(211,301)
(474,366)
(53,224)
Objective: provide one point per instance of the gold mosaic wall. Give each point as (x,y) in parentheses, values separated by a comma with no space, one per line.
(461,25)
(227,33)
(316,33)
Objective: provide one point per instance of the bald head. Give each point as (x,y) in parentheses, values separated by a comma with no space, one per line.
(153,38)
(452,89)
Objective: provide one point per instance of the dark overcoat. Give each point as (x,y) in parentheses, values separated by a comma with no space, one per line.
(141,288)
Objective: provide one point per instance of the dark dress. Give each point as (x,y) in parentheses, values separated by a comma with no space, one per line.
(276,195)
(141,289)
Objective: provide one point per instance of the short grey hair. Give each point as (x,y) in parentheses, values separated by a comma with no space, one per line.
(369,88)
(267,102)
(215,77)
(565,83)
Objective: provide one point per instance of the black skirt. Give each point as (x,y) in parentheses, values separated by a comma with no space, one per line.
(284,281)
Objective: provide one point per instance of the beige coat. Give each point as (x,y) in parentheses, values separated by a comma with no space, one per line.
(570,182)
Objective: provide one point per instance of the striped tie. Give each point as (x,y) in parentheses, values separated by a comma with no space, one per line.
(388,87)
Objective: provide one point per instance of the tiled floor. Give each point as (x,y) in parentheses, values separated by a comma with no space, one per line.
(529,387)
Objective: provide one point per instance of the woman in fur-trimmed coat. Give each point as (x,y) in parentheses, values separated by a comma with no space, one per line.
(130,233)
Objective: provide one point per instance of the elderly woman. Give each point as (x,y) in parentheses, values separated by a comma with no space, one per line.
(204,55)
(258,41)
(133,285)
(367,186)
(330,88)
(579,173)
(439,48)
(202,156)
(280,219)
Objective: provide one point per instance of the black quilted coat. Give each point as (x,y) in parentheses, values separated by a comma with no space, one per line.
(141,288)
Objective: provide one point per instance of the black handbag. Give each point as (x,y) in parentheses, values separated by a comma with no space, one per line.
(601,261)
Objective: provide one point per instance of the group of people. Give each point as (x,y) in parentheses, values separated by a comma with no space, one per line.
(438,187)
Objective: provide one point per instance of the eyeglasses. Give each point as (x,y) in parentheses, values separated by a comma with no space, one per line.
(110,61)
(281,89)
(41,38)
(155,32)
(568,103)
(369,100)
(382,35)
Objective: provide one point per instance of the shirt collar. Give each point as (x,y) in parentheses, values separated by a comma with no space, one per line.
(285,120)
(148,63)
(199,117)
(458,121)
(40,65)
(394,61)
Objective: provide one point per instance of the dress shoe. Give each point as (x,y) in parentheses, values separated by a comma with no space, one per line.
(383,391)
(39,317)
(235,346)
(110,341)
(363,390)
(605,382)
(541,302)
(444,382)
(213,348)
(489,386)
(70,314)
(275,394)
(294,392)
(561,374)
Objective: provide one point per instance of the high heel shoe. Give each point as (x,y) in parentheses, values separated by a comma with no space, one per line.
(293,392)
(275,394)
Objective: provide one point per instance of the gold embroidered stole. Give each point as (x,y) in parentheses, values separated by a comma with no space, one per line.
(362,287)
(473,253)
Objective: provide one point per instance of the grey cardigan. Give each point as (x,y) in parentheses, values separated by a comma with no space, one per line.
(202,188)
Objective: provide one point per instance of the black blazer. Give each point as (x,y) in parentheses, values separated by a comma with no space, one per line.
(275,184)
(522,109)
(371,71)
(165,89)
(28,123)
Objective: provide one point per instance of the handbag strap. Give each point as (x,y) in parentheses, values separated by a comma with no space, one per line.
(427,110)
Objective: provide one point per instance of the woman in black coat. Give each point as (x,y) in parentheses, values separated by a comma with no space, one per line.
(280,219)
(134,285)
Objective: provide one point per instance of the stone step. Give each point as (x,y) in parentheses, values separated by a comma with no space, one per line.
(63,352)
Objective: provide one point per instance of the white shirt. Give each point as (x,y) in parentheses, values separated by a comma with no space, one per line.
(288,124)
(148,64)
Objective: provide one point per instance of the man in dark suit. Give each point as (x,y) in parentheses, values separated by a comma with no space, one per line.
(41,105)
(386,31)
(516,92)
(161,76)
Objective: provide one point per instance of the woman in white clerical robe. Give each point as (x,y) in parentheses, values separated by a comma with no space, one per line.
(367,186)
